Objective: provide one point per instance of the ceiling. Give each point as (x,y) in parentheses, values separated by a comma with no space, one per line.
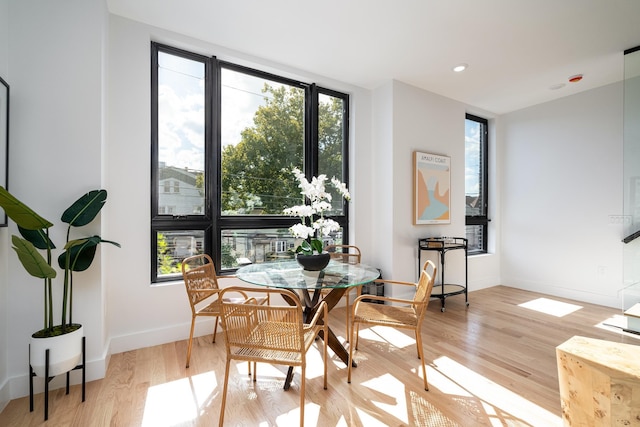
(516,49)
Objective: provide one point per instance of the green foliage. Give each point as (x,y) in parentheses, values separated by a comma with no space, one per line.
(20,213)
(309,247)
(81,252)
(256,171)
(78,255)
(32,261)
(330,138)
(200,183)
(57,330)
(85,209)
(38,238)
(228,257)
(166,263)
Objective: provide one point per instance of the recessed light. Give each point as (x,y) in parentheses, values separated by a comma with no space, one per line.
(556,87)
(575,79)
(460,68)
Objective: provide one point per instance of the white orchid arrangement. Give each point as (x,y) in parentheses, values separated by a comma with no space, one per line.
(317,202)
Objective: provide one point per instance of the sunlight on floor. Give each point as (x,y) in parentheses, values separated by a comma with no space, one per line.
(396,338)
(367,419)
(292,418)
(549,306)
(315,364)
(178,401)
(266,370)
(185,400)
(499,405)
(392,388)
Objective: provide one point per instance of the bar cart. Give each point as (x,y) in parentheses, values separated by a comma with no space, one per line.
(442,245)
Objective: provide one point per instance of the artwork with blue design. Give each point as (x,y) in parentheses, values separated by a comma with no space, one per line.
(432,176)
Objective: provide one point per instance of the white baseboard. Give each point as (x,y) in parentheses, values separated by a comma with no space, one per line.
(613,301)
(5,395)
(153,337)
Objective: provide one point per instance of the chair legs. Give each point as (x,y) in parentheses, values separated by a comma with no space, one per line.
(421,357)
(190,345)
(224,392)
(193,323)
(354,345)
(215,329)
(302,386)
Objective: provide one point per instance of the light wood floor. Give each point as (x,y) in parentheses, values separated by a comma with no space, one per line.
(492,364)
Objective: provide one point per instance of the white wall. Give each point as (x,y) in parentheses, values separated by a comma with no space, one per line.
(381,207)
(562,178)
(56,76)
(4,234)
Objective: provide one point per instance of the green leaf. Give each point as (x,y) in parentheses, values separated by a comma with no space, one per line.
(85,209)
(31,259)
(81,255)
(38,237)
(81,252)
(317,245)
(304,248)
(20,213)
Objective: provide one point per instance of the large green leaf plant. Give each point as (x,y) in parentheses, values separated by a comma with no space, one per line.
(77,256)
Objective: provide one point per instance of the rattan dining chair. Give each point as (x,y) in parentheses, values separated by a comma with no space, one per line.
(349,254)
(395,312)
(201,282)
(272,334)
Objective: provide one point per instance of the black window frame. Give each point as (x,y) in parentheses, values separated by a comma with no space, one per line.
(212,222)
(481,220)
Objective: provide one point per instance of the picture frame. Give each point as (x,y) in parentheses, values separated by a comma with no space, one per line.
(432,189)
(4,142)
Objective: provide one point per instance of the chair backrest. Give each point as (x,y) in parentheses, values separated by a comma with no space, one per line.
(249,324)
(200,280)
(424,288)
(345,253)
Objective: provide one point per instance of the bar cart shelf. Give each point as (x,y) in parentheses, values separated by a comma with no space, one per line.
(442,245)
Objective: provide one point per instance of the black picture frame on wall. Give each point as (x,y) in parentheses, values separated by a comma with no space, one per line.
(4,142)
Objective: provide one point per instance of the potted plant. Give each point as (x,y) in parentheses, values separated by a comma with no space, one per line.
(64,339)
(313,225)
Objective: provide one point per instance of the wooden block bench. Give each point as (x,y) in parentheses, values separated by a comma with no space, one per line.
(599,382)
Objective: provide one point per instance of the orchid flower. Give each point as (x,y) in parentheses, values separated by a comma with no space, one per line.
(317,202)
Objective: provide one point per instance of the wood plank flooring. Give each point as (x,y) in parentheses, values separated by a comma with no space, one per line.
(491,364)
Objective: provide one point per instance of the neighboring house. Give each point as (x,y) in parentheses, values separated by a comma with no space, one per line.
(178,191)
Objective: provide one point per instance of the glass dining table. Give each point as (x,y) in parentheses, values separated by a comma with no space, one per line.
(337,277)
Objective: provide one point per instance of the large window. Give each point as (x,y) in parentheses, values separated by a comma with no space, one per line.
(224,141)
(476,135)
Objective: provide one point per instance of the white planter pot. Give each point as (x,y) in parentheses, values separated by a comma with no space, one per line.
(65,352)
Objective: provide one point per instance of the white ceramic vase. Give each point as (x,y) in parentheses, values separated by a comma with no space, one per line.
(65,352)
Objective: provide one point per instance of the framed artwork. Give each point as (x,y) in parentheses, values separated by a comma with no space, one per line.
(4,142)
(431,192)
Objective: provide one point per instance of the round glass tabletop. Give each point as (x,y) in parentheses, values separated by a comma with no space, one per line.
(289,275)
